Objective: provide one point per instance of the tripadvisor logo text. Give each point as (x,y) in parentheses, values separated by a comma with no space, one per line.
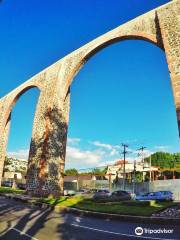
(139,231)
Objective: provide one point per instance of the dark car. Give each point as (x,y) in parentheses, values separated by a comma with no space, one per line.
(7,184)
(120,195)
(93,190)
(83,191)
(101,194)
(21,186)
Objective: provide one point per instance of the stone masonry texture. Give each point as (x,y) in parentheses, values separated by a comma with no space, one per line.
(160,26)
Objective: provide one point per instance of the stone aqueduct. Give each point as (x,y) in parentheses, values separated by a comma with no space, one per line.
(160,26)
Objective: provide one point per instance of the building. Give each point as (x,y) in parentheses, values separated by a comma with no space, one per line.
(117,170)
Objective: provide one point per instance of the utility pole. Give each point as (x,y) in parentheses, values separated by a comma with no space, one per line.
(142,154)
(124,167)
(174,161)
(134,177)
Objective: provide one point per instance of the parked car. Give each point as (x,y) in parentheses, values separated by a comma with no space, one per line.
(120,195)
(69,193)
(21,186)
(83,191)
(7,184)
(93,190)
(101,193)
(160,196)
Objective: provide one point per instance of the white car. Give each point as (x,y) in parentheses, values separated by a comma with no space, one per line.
(69,192)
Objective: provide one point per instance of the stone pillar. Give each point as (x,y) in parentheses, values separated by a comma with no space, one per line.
(3,145)
(169,24)
(48,146)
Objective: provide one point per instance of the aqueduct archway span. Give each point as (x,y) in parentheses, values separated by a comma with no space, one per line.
(149,38)
(15,97)
(133,32)
(48,147)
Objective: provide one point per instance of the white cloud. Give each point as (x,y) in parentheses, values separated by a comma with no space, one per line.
(106,163)
(102,145)
(76,157)
(21,154)
(162,148)
(92,154)
(73,140)
(114,152)
(114,149)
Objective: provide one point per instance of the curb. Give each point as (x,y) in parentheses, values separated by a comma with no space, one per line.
(129,218)
(112,216)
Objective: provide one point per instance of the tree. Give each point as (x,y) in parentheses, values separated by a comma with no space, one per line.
(98,171)
(8,164)
(164,160)
(139,177)
(15,165)
(104,171)
(71,172)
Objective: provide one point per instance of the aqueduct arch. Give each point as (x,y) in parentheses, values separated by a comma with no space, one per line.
(48,144)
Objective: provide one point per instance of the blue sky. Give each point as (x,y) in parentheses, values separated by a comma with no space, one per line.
(122,94)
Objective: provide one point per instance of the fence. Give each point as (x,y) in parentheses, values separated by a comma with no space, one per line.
(172,185)
(87,184)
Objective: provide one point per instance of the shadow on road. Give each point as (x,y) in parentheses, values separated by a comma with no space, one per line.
(23,219)
(19,221)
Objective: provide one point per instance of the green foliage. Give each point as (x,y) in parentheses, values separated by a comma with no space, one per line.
(14,165)
(71,172)
(139,176)
(104,171)
(11,190)
(97,171)
(164,160)
(7,163)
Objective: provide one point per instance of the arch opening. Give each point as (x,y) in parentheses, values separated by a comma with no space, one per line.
(20,123)
(142,73)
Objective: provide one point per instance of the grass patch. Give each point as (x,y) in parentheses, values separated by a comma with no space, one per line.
(127,207)
(62,201)
(11,190)
(123,208)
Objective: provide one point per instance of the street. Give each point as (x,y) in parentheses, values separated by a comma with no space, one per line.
(21,221)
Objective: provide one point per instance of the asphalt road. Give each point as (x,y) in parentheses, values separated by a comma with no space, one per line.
(20,221)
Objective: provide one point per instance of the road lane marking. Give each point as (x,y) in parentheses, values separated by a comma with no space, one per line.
(122,234)
(23,233)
